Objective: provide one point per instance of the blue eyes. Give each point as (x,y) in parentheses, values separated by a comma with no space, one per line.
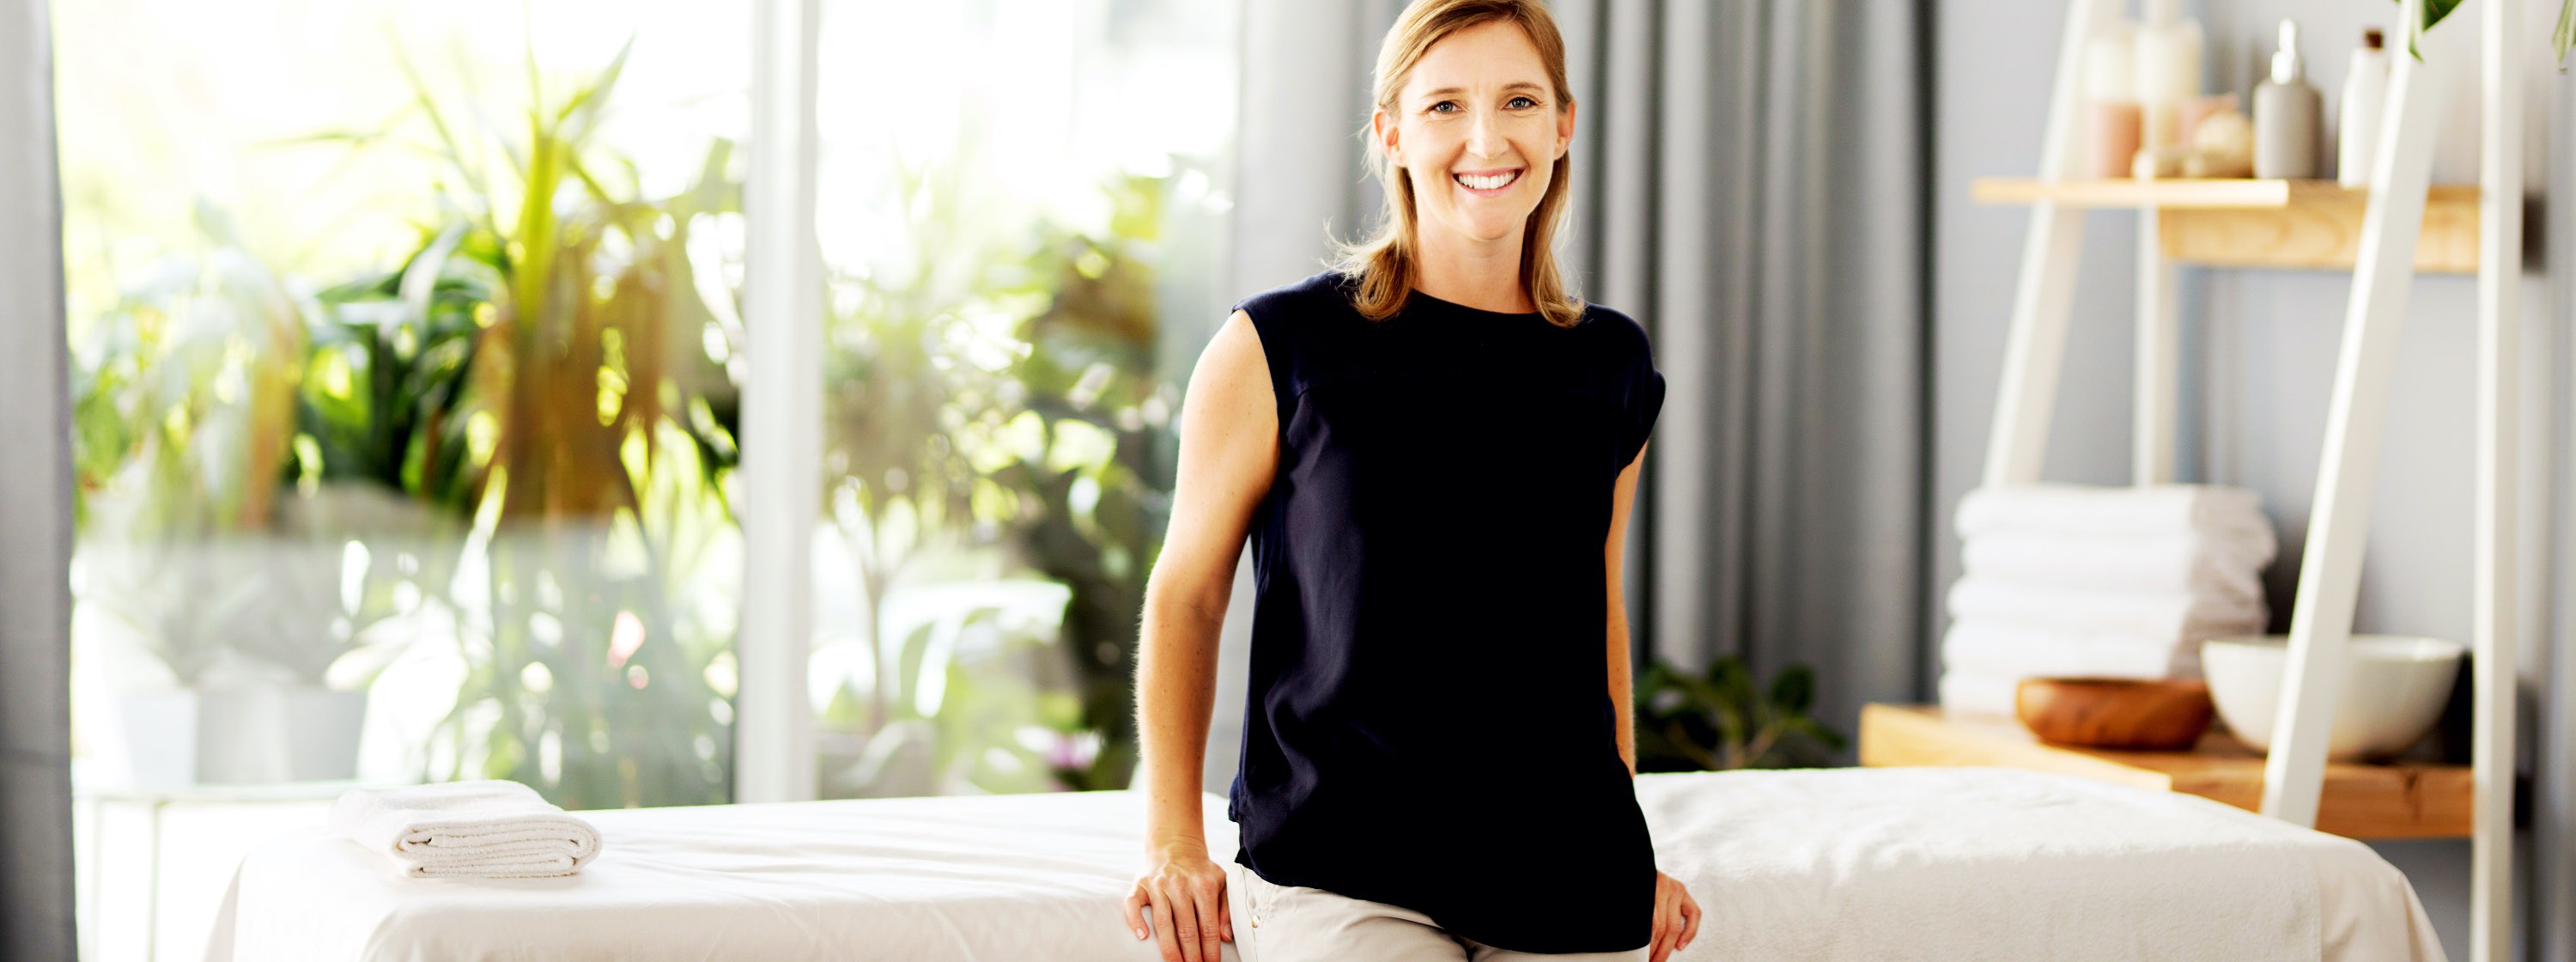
(1516,103)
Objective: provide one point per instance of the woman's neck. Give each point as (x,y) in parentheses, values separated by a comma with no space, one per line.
(1485,275)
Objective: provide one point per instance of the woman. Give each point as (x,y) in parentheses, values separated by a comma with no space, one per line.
(1433,448)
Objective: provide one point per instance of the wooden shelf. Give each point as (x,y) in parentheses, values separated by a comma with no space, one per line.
(2393,801)
(2299,224)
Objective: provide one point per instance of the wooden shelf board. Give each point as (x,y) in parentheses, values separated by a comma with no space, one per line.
(2294,224)
(2392,801)
(2186,193)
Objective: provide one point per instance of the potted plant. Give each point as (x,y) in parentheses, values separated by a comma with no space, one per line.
(178,599)
(179,418)
(323,581)
(1719,720)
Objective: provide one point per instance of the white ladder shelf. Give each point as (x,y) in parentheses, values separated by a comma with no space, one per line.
(2383,270)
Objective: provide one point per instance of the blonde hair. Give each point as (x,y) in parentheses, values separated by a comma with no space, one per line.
(1385,266)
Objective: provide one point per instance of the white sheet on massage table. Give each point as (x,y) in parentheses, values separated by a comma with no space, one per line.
(1818,864)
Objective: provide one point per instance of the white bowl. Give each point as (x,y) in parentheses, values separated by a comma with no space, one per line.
(2394,689)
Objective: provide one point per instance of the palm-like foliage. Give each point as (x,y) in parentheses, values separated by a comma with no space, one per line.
(536,371)
(519,436)
(180,420)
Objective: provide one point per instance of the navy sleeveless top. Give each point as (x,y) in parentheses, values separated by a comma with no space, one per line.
(1429,721)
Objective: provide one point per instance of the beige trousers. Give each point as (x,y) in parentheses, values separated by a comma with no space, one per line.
(1293,923)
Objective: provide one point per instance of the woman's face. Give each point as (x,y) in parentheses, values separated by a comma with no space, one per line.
(1477,130)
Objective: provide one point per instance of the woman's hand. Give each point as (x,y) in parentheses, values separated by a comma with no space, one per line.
(1676,918)
(1186,892)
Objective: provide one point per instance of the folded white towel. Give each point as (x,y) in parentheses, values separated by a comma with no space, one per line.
(479,829)
(2162,615)
(2079,509)
(1989,648)
(1978,692)
(2181,562)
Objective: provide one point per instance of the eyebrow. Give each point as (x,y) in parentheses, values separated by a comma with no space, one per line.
(1456,91)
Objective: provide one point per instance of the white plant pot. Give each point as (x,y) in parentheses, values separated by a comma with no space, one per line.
(259,734)
(322,728)
(2394,689)
(161,736)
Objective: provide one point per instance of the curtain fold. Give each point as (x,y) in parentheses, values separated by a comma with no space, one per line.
(36,902)
(1750,186)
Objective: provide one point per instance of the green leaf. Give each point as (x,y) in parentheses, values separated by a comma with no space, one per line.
(2564,37)
(1794,689)
(2434,11)
(2561,39)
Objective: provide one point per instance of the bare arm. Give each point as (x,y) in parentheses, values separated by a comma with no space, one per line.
(1229,452)
(1677,914)
(1622,686)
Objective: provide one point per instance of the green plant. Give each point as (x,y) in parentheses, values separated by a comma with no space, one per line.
(915,393)
(310,617)
(1101,489)
(182,392)
(992,389)
(181,412)
(1720,721)
(972,662)
(182,595)
(543,402)
(544,371)
(2561,39)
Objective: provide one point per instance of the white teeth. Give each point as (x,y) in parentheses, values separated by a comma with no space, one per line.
(1488,183)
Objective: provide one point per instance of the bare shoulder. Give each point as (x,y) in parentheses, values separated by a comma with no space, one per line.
(1233,368)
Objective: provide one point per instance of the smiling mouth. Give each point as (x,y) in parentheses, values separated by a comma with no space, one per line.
(1492,183)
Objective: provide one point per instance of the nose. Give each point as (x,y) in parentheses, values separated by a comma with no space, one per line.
(1484,137)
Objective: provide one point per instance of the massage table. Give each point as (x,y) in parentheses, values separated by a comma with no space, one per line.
(1824,864)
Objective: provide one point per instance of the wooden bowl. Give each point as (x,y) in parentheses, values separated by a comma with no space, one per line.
(2164,714)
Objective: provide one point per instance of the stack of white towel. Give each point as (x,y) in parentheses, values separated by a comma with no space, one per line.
(2064,580)
(482,829)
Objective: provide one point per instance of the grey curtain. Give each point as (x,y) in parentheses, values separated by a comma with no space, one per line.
(1747,185)
(1751,188)
(35,508)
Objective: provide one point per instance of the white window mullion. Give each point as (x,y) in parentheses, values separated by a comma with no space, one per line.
(782,411)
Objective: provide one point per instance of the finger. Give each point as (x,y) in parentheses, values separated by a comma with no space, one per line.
(1163,940)
(1185,925)
(1135,909)
(1690,920)
(1668,930)
(1210,898)
(1225,912)
(1662,924)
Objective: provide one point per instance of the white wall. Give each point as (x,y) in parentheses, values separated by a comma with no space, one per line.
(2259,347)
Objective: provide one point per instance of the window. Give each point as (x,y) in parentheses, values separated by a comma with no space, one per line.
(385,472)
(388,474)
(1015,197)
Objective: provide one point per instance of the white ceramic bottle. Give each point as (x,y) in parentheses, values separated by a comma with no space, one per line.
(2168,65)
(2110,101)
(2287,115)
(2365,98)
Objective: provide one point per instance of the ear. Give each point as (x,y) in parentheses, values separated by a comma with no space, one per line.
(1564,130)
(1382,124)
